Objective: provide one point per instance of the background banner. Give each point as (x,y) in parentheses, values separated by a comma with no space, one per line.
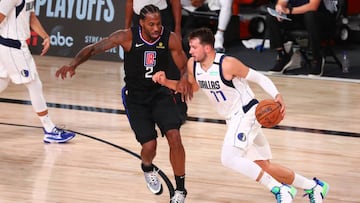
(73,24)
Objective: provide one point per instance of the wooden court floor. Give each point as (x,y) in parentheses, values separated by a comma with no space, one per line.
(320,137)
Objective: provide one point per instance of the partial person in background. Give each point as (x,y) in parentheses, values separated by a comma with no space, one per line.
(222,7)
(170,11)
(312,15)
(17,63)
(224,80)
(147,49)
(223,21)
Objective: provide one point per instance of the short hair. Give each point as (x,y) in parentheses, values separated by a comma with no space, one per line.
(204,34)
(148,9)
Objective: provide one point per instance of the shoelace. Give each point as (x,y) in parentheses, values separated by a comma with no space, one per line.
(178,197)
(58,130)
(152,177)
(284,195)
(310,195)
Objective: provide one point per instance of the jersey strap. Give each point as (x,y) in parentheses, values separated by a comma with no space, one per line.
(10,42)
(248,106)
(20,7)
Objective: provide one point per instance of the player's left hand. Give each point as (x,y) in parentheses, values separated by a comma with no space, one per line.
(46,46)
(280,100)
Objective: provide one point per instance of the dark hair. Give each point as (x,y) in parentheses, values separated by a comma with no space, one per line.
(204,34)
(148,9)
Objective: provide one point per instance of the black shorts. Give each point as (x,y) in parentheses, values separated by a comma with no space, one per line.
(147,108)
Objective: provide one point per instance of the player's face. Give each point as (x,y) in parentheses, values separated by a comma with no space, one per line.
(151,26)
(197,50)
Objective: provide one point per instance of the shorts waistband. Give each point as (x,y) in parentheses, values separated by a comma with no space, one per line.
(248,106)
(10,42)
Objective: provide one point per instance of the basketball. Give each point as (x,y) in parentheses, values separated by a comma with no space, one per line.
(268,113)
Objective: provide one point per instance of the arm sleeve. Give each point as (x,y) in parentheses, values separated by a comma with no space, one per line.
(264,82)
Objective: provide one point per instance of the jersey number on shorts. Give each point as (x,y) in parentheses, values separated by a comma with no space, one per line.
(149,63)
(219,95)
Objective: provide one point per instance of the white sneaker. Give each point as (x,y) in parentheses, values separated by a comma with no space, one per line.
(319,192)
(179,197)
(153,182)
(284,193)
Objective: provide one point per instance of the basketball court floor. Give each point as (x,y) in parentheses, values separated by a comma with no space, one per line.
(319,137)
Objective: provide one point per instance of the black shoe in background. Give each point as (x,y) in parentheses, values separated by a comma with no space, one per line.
(317,67)
(282,60)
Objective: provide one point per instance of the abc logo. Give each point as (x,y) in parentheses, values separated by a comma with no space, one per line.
(59,40)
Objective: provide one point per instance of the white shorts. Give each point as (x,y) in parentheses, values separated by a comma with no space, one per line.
(245,134)
(17,64)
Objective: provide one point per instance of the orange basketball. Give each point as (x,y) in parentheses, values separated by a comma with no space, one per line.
(268,113)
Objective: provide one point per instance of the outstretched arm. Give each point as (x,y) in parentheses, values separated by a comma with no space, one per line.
(180,59)
(160,77)
(232,67)
(120,37)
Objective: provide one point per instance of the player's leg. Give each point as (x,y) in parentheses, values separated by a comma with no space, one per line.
(239,153)
(315,189)
(234,158)
(22,70)
(168,119)
(53,134)
(4,82)
(141,122)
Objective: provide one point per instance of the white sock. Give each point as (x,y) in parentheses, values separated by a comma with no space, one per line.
(302,182)
(47,123)
(268,181)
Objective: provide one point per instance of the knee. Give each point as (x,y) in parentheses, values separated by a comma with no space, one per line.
(174,139)
(149,147)
(226,160)
(264,164)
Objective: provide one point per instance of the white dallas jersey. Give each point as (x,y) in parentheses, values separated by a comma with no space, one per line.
(17,22)
(228,97)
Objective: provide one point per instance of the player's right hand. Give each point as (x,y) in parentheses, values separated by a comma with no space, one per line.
(159,77)
(63,71)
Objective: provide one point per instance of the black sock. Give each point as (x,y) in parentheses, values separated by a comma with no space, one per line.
(180,182)
(147,168)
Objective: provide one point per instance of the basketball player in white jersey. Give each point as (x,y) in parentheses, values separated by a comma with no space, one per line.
(224,80)
(17,63)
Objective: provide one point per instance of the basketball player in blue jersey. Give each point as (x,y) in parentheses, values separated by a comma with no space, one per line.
(17,63)
(224,80)
(147,48)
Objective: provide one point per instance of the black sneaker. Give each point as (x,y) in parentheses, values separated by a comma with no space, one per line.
(317,67)
(282,61)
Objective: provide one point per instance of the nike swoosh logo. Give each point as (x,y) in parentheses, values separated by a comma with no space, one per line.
(139,45)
